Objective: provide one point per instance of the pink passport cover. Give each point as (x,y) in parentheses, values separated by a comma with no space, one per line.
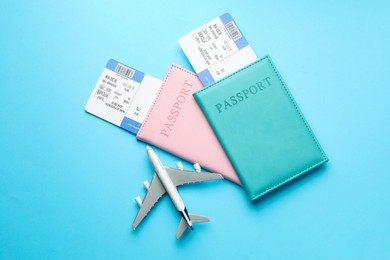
(176,124)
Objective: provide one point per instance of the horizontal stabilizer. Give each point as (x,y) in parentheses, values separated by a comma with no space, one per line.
(184,225)
(198,219)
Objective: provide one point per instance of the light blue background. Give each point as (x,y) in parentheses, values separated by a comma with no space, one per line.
(68,179)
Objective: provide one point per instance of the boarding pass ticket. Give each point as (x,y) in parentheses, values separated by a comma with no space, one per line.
(123,96)
(217,49)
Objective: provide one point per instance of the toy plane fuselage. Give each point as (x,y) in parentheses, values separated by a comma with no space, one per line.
(168,185)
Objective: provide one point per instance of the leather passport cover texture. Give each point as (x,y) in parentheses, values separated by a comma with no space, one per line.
(260,127)
(176,124)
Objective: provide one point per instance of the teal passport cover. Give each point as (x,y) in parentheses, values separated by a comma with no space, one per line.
(260,127)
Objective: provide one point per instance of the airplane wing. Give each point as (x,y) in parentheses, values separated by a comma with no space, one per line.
(155,192)
(180,177)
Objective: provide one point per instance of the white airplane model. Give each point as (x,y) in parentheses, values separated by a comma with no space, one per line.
(164,181)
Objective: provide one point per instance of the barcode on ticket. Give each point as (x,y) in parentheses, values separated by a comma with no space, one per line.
(124,70)
(233,30)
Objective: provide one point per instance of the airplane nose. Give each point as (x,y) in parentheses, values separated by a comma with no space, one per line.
(148,148)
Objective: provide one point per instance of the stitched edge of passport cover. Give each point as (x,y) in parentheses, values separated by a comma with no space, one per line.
(314,165)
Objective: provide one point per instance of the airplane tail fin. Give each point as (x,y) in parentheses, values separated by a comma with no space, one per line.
(184,225)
